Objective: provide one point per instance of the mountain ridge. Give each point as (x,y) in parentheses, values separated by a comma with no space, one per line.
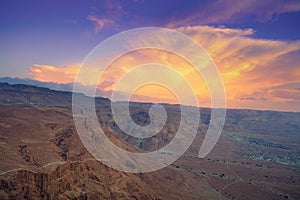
(69,88)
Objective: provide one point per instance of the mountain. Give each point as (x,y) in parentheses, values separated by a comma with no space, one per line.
(42,157)
(27,81)
(36,96)
(67,87)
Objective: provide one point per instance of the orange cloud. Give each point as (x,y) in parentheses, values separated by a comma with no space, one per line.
(48,73)
(247,65)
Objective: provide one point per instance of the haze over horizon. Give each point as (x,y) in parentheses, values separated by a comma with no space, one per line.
(255,45)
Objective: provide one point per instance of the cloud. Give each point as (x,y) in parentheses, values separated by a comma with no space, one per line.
(233,11)
(252,69)
(282,97)
(122,15)
(49,73)
(284,92)
(99,23)
(107,83)
(248,64)
(107,16)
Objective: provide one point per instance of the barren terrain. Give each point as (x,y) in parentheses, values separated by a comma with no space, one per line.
(42,157)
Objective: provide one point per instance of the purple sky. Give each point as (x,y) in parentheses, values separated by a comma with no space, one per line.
(60,32)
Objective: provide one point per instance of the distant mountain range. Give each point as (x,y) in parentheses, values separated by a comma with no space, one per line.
(27,81)
(68,87)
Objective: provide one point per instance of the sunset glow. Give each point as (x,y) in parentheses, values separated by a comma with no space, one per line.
(260,68)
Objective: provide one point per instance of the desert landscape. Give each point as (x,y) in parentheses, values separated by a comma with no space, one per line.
(42,157)
(150,100)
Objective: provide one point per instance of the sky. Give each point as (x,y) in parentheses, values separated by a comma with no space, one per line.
(255,45)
